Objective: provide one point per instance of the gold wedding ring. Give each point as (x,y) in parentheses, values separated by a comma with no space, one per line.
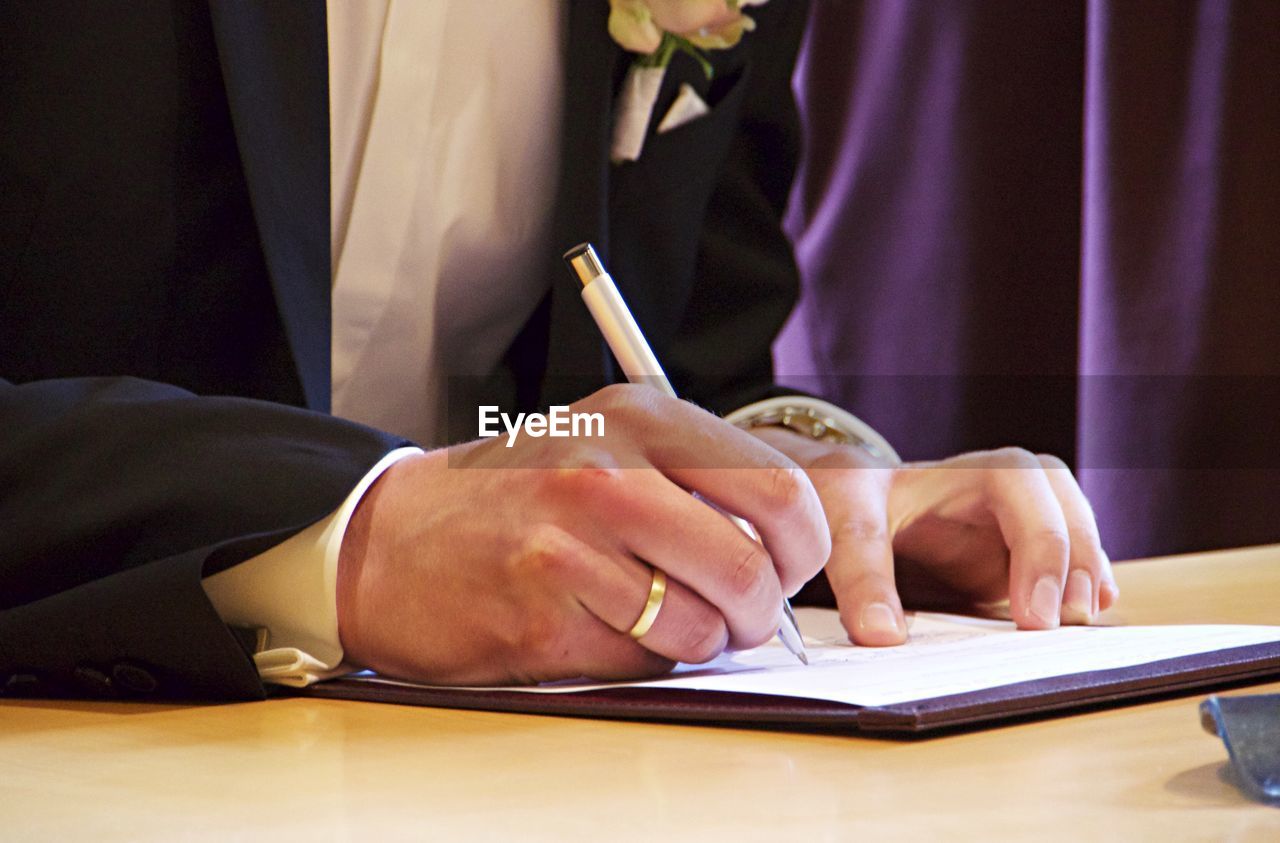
(657,591)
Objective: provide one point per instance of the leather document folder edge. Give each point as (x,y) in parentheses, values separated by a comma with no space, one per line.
(991,706)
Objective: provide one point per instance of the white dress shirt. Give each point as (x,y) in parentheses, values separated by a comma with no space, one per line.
(444,130)
(444,121)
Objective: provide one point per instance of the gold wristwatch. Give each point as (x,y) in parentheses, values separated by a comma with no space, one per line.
(815,419)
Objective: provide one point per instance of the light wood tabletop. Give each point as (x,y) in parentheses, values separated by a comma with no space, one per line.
(313,769)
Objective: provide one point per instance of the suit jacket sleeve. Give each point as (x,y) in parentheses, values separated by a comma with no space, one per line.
(117,496)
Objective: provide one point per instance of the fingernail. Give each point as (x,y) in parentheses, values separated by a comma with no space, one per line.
(1079,596)
(1046,599)
(878,618)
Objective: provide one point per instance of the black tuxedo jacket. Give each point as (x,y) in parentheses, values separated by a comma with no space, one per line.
(164,303)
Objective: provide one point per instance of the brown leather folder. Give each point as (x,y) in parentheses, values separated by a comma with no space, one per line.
(1056,695)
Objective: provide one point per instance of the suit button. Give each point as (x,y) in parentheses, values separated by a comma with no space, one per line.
(22,685)
(92,680)
(134,678)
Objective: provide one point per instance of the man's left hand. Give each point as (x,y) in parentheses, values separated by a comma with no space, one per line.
(968,532)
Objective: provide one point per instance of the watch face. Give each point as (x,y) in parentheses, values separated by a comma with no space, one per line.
(805,421)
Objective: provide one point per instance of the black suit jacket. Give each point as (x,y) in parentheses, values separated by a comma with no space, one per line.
(164,303)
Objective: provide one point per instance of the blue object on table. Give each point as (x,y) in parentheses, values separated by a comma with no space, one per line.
(1250,727)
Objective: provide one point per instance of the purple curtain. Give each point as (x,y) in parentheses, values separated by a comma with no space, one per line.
(1056,225)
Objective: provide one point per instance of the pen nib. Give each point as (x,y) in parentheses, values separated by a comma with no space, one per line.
(789,634)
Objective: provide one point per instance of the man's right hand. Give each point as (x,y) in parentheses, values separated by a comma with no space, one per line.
(483,564)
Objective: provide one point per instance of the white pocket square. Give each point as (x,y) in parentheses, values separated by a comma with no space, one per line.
(688,106)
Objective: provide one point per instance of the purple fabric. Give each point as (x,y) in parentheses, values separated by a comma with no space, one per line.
(1054,225)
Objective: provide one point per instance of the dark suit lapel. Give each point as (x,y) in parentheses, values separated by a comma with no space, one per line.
(576,356)
(275,62)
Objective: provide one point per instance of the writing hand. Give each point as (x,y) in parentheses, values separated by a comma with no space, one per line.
(483,564)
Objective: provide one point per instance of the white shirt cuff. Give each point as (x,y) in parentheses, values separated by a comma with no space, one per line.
(291,590)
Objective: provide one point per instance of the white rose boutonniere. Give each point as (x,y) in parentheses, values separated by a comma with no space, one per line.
(656,30)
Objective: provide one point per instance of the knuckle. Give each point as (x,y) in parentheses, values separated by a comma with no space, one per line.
(613,394)
(843,459)
(590,459)
(1053,542)
(1052,462)
(585,469)
(862,529)
(785,488)
(1085,531)
(1014,457)
(627,402)
(546,552)
(702,638)
(1003,472)
(747,575)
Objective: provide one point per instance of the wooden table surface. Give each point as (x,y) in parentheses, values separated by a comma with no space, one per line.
(303,770)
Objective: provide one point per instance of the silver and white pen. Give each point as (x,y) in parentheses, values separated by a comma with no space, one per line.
(641,366)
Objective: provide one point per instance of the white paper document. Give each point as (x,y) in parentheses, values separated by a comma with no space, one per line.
(945,654)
